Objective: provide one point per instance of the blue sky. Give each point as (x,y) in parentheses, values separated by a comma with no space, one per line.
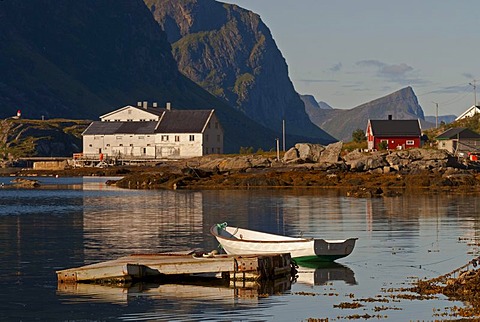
(349,52)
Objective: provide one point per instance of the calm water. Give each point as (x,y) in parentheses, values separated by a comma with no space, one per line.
(79,221)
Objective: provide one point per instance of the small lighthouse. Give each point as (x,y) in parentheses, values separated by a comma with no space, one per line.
(19,114)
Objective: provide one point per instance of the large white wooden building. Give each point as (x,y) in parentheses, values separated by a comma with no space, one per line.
(154,133)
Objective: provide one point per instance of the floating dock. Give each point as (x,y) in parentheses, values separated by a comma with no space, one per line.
(175,265)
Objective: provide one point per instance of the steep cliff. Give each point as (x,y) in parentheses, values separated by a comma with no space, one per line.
(402,104)
(231,53)
(81,59)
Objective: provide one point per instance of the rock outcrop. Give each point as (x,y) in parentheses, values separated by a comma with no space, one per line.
(231,53)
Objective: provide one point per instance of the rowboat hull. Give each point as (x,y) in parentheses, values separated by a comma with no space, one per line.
(240,241)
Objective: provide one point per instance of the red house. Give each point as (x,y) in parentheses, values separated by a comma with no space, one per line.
(397,134)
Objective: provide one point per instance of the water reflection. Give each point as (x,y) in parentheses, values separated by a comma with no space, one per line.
(205,289)
(45,230)
(321,273)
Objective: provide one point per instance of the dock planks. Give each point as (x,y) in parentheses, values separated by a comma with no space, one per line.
(145,266)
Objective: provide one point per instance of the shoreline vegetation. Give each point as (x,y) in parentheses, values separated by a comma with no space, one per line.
(357,174)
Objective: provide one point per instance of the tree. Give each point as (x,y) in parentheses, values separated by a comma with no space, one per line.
(358,136)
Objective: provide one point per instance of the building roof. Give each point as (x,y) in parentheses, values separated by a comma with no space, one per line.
(184,121)
(152,110)
(105,128)
(395,128)
(458,133)
(172,121)
(472,110)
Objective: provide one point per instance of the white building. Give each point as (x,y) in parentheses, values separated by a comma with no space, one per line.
(154,133)
(474,109)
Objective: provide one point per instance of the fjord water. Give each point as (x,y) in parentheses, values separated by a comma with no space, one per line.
(76,221)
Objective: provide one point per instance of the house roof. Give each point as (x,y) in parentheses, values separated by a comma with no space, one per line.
(105,128)
(395,128)
(183,121)
(173,121)
(458,133)
(469,112)
(152,110)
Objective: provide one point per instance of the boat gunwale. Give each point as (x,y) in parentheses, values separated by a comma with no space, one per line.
(214,232)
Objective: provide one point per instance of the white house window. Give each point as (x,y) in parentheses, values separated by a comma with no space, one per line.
(410,142)
(192,137)
(164,137)
(129,120)
(118,137)
(129,112)
(131,144)
(141,137)
(443,144)
(120,144)
(90,145)
(177,138)
(108,144)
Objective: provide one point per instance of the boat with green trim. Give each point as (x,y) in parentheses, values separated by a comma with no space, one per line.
(241,241)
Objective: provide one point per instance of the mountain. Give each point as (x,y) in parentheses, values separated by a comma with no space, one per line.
(441,118)
(401,105)
(312,102)
(231,53)
(81,59)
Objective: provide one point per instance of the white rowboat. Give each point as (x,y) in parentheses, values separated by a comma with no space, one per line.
(241,241)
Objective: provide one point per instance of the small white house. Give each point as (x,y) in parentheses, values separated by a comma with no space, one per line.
(154,133)
(474,109)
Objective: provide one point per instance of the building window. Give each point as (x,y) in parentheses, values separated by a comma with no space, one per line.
(410,142)
(129,111)
(218,138)
(108,144)
(120,144)
(206,137)
(131,144)
(148,144)
(164,137)
(192,137)
(129,120)
(177,138)
(118,137)
(213,150)
(443,144)
(90,145)
(141,137)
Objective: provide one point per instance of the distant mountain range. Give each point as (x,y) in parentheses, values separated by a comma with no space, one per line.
(340,123)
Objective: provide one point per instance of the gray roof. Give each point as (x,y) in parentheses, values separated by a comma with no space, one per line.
(183,121)
(105,128)
(173,121)
(458,133)
(396,128)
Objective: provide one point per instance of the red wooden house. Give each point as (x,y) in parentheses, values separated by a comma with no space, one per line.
(397,134)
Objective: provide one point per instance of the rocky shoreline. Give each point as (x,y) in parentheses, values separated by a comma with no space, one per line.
(359,174)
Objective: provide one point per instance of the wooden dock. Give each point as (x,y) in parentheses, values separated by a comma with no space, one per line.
(174,265)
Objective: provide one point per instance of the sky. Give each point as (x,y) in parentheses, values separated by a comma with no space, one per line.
(349,52)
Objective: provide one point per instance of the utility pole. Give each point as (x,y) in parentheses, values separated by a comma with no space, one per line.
(278,150)
(436,115)
(283,131)
(474,94)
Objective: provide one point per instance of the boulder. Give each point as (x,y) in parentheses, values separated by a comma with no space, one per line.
(291,155)
(331,153)
(309,152)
